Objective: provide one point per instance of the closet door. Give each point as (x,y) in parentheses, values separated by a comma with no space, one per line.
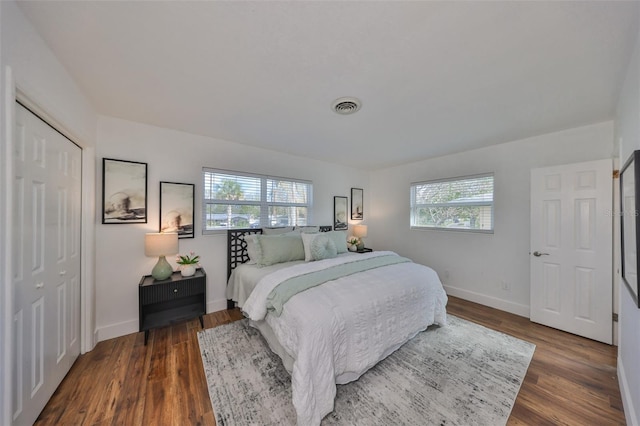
(46,254)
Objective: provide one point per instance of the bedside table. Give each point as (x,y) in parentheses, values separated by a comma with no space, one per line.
(365,250)
(173,300)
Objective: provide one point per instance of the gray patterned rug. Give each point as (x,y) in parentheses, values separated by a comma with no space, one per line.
(461,374)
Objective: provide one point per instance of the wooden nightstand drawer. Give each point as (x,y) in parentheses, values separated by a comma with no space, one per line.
(172,290)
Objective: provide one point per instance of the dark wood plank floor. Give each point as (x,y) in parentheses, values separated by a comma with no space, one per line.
(571,380)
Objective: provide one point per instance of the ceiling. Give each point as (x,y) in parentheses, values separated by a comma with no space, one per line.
(434,78)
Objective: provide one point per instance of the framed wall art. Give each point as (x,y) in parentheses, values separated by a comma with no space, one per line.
(124,191)
(357,204)
(630,224)
(176,208)
(340,213)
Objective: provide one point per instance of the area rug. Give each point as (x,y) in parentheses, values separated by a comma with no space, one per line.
(460,374)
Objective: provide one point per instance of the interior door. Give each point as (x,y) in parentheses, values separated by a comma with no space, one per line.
(571,248)
(46,255)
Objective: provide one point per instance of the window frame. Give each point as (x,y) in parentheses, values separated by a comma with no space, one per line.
(264,204)
(414,206)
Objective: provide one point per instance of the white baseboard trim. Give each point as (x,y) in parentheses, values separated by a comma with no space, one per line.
(116,330)
(217,305)
(492,302)
(627,402)
(131,326)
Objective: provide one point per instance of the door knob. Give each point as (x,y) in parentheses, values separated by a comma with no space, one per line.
(63,273)
(39,285)
(538,254)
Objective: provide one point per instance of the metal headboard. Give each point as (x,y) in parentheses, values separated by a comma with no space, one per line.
(237,249)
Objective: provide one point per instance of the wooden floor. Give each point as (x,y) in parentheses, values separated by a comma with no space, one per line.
(571,380)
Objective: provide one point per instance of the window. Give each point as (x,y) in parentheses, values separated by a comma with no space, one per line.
(464,204)
(243,200)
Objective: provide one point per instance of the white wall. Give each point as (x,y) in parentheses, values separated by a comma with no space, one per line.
(627,133)
(28,64)
(176,156)
(40,75)
(473,265)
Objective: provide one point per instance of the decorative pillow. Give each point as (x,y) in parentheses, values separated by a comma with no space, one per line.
(279,249)
(339,238)
(307,229)
(307,239)
(318,247)
(277,231)
(253,248)
(323,247)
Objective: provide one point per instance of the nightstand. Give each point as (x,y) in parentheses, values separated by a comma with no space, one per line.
(173,300)
(365,250)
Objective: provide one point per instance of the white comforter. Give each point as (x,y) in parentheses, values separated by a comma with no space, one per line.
(340,329)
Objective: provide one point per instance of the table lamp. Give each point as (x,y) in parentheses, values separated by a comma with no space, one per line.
(360,232)
(161,245)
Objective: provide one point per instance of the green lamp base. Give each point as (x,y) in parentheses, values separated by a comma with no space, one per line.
(162,270)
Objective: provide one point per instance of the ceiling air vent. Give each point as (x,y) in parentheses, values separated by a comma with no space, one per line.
(346,106)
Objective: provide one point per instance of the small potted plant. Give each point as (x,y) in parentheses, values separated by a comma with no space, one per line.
(352,243)
(188,263)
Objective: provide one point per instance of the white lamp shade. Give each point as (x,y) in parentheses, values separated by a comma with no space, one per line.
(360,231)
(161,244)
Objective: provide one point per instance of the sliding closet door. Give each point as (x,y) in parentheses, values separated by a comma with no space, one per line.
(46,254)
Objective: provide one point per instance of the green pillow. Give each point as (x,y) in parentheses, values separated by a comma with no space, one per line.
(339,238)
(323,247)
(279,249)
(278,230)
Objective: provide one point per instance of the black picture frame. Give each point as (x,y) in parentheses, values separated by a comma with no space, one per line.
(124,191)
(357,204)
(177,208)
(630,224)
(340,206)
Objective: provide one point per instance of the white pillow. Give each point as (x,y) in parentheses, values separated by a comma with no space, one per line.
(306,242)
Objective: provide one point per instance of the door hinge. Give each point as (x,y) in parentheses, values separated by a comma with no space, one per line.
(615,317)
(616,174)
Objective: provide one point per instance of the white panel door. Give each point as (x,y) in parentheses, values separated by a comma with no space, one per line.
(571,248)
(46,254)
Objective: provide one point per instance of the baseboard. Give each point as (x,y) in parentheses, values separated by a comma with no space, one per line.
(217,305)
(492,302)
(116,330)
(625,394)
(128,327)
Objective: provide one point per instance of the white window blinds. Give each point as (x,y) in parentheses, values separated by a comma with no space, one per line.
(243,200)
(464,203)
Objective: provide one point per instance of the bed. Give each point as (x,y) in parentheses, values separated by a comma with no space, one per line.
(328,313)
